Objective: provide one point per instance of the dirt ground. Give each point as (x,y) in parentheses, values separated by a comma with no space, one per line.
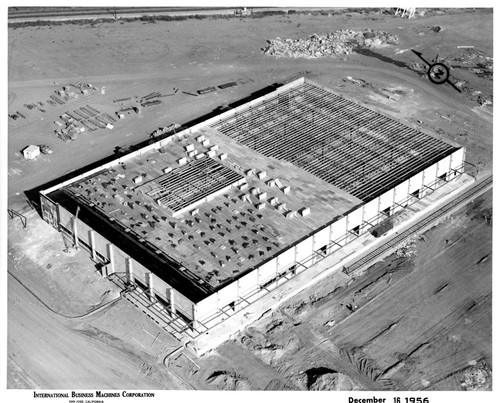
(59,306)
(419,323)
(433,326)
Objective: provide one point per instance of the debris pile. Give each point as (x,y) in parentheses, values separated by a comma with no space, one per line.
(45,149)
(474,61)
(408,248)
(476,377)
(335,43)
(164,130)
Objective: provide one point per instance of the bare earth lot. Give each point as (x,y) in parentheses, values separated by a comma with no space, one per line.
(406,324)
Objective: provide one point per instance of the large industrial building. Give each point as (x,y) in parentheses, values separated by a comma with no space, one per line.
(211,218)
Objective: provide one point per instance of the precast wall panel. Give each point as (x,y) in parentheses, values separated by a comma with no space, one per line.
(355,218)
(182,304)
(207,307)
(429,175)
(304,249)
(443,166)
(321,238)
(227,294)
(286,259)
(457,159)
(66,219)
(141,273)
(121,263)
(386,200)
(416,182)
(401,193)
(371,211)
(339,229)
(267,271)
(249,282)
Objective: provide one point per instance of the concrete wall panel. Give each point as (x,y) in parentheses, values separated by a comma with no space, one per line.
(248,282)
(457,158)
(387,199)
(371,210)
(430,174)
(321,238)
(401,192)
(65,218)
(304,249)
(355,218)
(339,228)
(267,270)
(287,258)
(227,294)
(444,165)
(416,182)
(207,307)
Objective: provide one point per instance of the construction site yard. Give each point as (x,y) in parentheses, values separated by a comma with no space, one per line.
(419,320)
(412,338)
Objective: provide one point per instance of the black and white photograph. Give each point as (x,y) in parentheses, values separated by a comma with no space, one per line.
(280,197)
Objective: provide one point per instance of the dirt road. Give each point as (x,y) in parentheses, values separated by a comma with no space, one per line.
(45,351)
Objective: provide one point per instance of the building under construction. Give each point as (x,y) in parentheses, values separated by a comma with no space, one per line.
(213,217)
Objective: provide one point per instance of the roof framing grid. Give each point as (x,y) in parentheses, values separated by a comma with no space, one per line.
(345,144)
(191,183)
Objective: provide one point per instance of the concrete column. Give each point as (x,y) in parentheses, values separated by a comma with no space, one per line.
(104,270)
(194,325)
(75,233)
(111,259)
(150,285)
(171,296)
(92,244)
(130,271)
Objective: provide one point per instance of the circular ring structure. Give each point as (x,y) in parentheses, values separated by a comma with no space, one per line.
(438,73)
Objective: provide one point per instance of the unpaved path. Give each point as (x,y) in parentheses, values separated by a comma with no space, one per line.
(45,351)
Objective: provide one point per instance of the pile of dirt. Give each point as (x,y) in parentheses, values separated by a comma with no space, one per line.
(324,378)
(334,381)
(228,380)
(476,377)
(278,384)
(329,45)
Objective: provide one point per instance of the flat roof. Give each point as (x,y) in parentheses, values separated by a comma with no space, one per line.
(348,145)
(213,203)
(229,235)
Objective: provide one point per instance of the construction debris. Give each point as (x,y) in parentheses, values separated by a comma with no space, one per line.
(329,45)
(474,61)
(206,90)
(45,149)
(164,130)
(408,248)
(150,103)
(227,85)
